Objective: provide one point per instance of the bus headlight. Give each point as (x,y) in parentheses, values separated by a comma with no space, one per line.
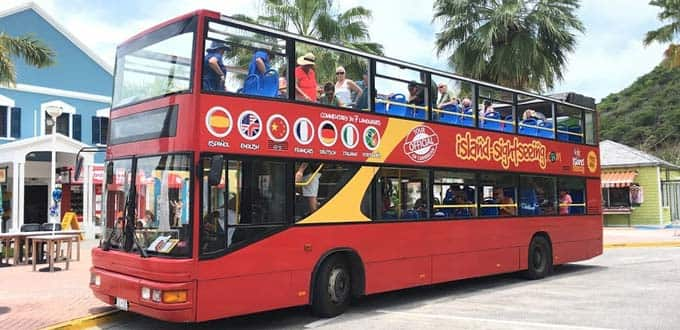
(174,296)
(95,279)
(146,293)
(156,295)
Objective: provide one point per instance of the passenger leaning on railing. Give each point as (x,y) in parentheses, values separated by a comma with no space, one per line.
(446,97)
(416,94)
(345,87)
(214,71)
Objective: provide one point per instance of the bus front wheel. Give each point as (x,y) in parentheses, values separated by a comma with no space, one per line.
(333,288)
(540,258)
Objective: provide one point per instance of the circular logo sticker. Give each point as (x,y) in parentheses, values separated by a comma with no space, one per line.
(218,122)
(250,125)
(277,128)
(421,144)
(371,138)
(350,136)
(303,131)
(328,133)
(592,161)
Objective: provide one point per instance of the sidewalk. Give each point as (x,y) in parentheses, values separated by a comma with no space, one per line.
(614,237)
(34,300)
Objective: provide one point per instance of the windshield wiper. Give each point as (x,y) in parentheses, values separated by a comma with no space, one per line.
(130,237)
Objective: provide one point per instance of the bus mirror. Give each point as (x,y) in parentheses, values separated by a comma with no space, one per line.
(79,168)
(215,175)
(109,173)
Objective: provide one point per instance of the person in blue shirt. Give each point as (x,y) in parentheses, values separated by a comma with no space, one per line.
(259,65)
(214,71)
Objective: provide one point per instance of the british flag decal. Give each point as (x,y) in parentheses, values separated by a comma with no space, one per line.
(250,125)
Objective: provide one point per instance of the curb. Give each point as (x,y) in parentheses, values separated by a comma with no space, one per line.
(641,244)
(84,322)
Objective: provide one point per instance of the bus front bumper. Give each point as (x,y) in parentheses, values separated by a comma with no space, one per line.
(137,295)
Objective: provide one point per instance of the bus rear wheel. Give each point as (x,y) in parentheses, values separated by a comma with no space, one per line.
(333,288)
(540,261)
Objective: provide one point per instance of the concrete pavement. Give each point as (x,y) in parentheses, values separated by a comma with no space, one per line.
(34,300)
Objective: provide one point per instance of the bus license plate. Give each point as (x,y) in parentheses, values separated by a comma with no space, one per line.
(122,304)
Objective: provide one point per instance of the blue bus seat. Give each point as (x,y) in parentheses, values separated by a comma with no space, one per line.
(451,116)
(528,202)
(509,124)
(419,114)
(528,127)
(397,106)
(468,120)
(546,129)
(411,214)
(268,85)
(575,129)
(492,124)
(561,132)
(380,105)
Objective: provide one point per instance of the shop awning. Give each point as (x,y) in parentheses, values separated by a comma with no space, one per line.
(618,179)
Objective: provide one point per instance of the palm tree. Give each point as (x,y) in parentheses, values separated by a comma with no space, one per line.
(517,43)
(670,11)
(33,51)
(319,19)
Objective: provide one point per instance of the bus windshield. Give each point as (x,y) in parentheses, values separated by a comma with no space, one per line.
(157,64)
(154,191)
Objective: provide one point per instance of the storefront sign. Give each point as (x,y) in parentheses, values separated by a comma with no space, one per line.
(3,175)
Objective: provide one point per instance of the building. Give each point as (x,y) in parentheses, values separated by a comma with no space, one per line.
(638,188)
(79,86)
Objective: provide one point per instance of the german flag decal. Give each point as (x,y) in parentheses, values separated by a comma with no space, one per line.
(218,122)
(328,134)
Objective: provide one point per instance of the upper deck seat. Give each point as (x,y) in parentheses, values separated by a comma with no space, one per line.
(528,127)
(546,129)
(397,106)
(451,115)
(468,119)
(380,105)
(268,85)
(419,114)
(493,123)
(561,132)
(573,137)
(509,124)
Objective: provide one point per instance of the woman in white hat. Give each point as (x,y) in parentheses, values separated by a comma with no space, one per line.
(305,78)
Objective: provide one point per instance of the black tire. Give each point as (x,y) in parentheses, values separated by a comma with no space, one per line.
(540,262)
(332,288)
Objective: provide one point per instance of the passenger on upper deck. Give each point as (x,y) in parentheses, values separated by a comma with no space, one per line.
(447,97)
(362,100)
(344,87)
(259,65)
(530,113)
(305,78)
(467,105)
(329,96)
(416,94)
(214,71)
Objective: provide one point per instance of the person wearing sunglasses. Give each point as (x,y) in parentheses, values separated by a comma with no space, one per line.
(345,86)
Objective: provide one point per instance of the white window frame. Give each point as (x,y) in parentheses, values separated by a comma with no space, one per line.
(9,103)
(66,109)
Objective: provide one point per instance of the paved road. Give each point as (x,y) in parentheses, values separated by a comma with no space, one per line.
(623,289)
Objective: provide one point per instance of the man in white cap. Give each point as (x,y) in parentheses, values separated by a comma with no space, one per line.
(305,78)
(214,71)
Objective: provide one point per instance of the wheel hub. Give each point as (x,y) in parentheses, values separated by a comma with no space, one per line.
(338,285)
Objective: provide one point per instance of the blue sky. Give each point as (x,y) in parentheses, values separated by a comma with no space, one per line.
(608,57)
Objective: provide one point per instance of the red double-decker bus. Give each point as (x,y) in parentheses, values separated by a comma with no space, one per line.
(233,185)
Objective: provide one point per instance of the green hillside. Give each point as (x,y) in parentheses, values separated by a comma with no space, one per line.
(646,115)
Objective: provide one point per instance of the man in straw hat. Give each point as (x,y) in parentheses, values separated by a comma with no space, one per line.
(214,71)
(305,78)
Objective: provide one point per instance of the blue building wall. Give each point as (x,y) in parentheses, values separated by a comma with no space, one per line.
(74,71)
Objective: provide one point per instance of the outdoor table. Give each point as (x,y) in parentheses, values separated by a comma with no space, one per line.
(18,237)
(52,253)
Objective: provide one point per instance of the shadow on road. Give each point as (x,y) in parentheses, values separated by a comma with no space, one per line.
(369,306)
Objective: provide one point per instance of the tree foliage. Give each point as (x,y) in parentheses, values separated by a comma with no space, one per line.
(321,20)
(33,51)
(516,43)
(646,115)
(670,12)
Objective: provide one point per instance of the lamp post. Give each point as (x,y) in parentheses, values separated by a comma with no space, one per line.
(54,111)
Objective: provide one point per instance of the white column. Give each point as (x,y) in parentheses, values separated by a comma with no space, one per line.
(87,200)
(53,169)
(22,189)
(16,182)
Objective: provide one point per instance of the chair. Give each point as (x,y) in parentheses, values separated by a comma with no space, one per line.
(397,106)
(411,215)
(528,127)
(509,124)
(451,115)
(577,130)
(268,85)
(546,129)
(30,227)
(528,202)
(419,114)
(380,106)
(493,124)
(468,119)
(562,132)
(50,227)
